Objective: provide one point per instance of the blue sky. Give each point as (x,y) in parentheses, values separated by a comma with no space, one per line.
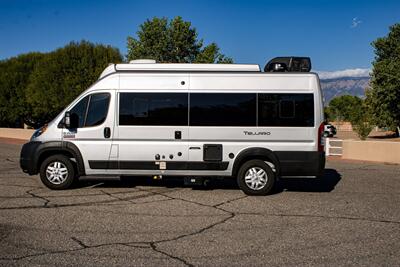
(335,34)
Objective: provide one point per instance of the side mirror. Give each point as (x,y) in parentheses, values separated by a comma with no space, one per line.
(71,120)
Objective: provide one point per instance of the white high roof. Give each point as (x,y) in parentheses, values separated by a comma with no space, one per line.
(145,66)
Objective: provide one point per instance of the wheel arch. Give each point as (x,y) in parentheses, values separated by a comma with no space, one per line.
(68,149)
(256,153)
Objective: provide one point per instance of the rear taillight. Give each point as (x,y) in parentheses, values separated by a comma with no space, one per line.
(321,143)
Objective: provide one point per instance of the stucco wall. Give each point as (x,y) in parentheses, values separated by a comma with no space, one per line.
(380,151)
(344,126)
(24,134)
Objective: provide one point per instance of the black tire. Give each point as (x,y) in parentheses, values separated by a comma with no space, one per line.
(65,163)
(257,165)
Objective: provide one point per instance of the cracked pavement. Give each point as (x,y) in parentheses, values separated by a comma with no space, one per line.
(350,217)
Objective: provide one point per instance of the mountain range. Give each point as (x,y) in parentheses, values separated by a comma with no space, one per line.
(355,86)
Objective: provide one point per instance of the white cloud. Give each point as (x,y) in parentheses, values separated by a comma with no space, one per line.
(343,73)
(355,23)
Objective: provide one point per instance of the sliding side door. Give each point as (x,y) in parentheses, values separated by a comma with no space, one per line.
(152,124)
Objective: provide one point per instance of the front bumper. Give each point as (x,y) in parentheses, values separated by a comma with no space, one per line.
(28,157)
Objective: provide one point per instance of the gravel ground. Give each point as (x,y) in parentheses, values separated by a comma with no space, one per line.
(350,217)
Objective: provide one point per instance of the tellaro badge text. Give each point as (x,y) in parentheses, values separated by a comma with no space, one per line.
(256,133)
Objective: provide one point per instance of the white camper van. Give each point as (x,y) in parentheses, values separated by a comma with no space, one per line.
(189,120)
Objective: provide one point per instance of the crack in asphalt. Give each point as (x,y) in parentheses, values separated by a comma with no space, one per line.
(80,243)
(151,245)
(154,248)
(319,216)
(116,197)
(201,230)
(46,201)
(154,245)
(82,247)
(60,195)
(48,204)
(130,200)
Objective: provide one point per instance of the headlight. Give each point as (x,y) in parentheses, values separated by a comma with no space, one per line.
(39,132)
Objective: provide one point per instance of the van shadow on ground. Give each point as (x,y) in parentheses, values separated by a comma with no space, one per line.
(326,183)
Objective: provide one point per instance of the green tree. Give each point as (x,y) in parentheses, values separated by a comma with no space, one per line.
(361,120)
(174,41)
(62,75)
(14,78)
(384,97)
(340,108)
(328,115)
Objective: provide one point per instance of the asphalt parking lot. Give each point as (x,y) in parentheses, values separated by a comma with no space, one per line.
(350,217)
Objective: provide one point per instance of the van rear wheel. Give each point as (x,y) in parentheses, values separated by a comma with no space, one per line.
(57,172)
(255,177)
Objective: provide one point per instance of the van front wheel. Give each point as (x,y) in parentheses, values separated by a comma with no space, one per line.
(57,172)
(256,177)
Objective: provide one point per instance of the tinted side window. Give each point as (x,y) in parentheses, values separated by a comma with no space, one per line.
(153,109)
(80,110)
(295,110)
(98,109)
(286,109)
(222,109)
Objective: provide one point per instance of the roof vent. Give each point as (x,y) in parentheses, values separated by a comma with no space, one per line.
(288,64)
(143,61)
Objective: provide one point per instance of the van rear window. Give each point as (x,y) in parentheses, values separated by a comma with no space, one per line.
(293,110)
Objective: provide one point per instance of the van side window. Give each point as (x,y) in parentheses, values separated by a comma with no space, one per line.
(153,109)
(92,110)
(98,109)
(294,110)
(223,109)
(286,109)
(80,110)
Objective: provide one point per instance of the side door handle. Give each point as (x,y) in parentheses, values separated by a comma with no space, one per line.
(107,132)
(178,135)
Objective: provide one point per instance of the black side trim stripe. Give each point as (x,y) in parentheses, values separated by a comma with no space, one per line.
(151,165)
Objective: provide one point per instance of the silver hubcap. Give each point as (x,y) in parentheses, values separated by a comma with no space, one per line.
(56,172)
(256,178)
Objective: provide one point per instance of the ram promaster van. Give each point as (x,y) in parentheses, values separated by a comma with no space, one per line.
(191,120)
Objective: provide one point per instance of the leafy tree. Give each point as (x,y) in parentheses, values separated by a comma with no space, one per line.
(340,108)
(361,120)
(328,115)
(352,109)
(173,41)
(62,75)
(14,78)
(384,97)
